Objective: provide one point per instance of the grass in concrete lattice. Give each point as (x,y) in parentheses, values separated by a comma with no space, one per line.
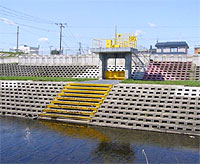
(185,83)
(44,78)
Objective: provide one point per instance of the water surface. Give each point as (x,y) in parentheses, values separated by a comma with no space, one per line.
(33,141)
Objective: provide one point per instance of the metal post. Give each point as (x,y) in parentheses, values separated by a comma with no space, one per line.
(79,47)
(115,62)
(17,38)
(50,49)
(61,26)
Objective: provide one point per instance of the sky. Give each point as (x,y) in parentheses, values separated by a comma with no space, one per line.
(150,20)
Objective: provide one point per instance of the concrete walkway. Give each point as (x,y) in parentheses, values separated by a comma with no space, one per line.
(102,82)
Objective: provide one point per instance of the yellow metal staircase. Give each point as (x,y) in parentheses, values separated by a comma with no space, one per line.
(77,102)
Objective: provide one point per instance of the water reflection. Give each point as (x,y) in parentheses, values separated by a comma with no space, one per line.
(117,145)
(75,130)
(178,141)
(110,151)
(124,136)
(115,152)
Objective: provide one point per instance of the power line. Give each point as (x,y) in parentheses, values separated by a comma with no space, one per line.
(74,38)
(66,44)
(30,32)
(37,28)
(29,26)
(19,17)
(71,32)
(111,27)
(27,15)
(70,48)
(68,38)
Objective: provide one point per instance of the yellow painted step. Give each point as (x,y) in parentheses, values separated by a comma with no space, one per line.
(72,107)
(80,95)
(78,99)
(75,103)
(68,116)
(68,112)
(87,88)
(116,78)
(83,91)
(95,85)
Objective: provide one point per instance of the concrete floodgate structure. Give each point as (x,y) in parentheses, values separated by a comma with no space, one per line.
(106,53)
(161,108)
(171,109)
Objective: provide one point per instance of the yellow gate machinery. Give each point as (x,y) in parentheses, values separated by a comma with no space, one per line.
(120,41)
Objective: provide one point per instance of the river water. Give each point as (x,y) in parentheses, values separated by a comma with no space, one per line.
(33,141)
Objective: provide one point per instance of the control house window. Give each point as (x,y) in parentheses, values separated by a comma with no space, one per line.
(174,49)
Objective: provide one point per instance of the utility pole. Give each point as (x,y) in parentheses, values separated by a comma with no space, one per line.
(17,38)
(61,26)
(50,49)
(79,47)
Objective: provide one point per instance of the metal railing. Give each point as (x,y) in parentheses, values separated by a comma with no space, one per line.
(121,40)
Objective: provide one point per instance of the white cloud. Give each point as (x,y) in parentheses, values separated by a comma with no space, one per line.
(7,21)
(151,25)
(43,40)
(139,33)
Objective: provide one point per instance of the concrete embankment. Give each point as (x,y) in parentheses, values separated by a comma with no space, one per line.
(26,98)
(163,108)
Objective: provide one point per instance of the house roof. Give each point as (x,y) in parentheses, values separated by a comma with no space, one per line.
(171,44)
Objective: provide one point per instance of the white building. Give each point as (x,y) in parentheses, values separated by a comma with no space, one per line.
(28,50)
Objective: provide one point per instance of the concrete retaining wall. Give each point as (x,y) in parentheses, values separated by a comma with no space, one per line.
(76,71)
(173,109)
(87,71)
(63,60)
(52,60)
(6,60)
(197,73)
(26,98)
(59,60)
(87,59)
(178,58)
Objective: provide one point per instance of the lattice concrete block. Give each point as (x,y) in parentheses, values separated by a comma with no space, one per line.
(174,109)
(26,98)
